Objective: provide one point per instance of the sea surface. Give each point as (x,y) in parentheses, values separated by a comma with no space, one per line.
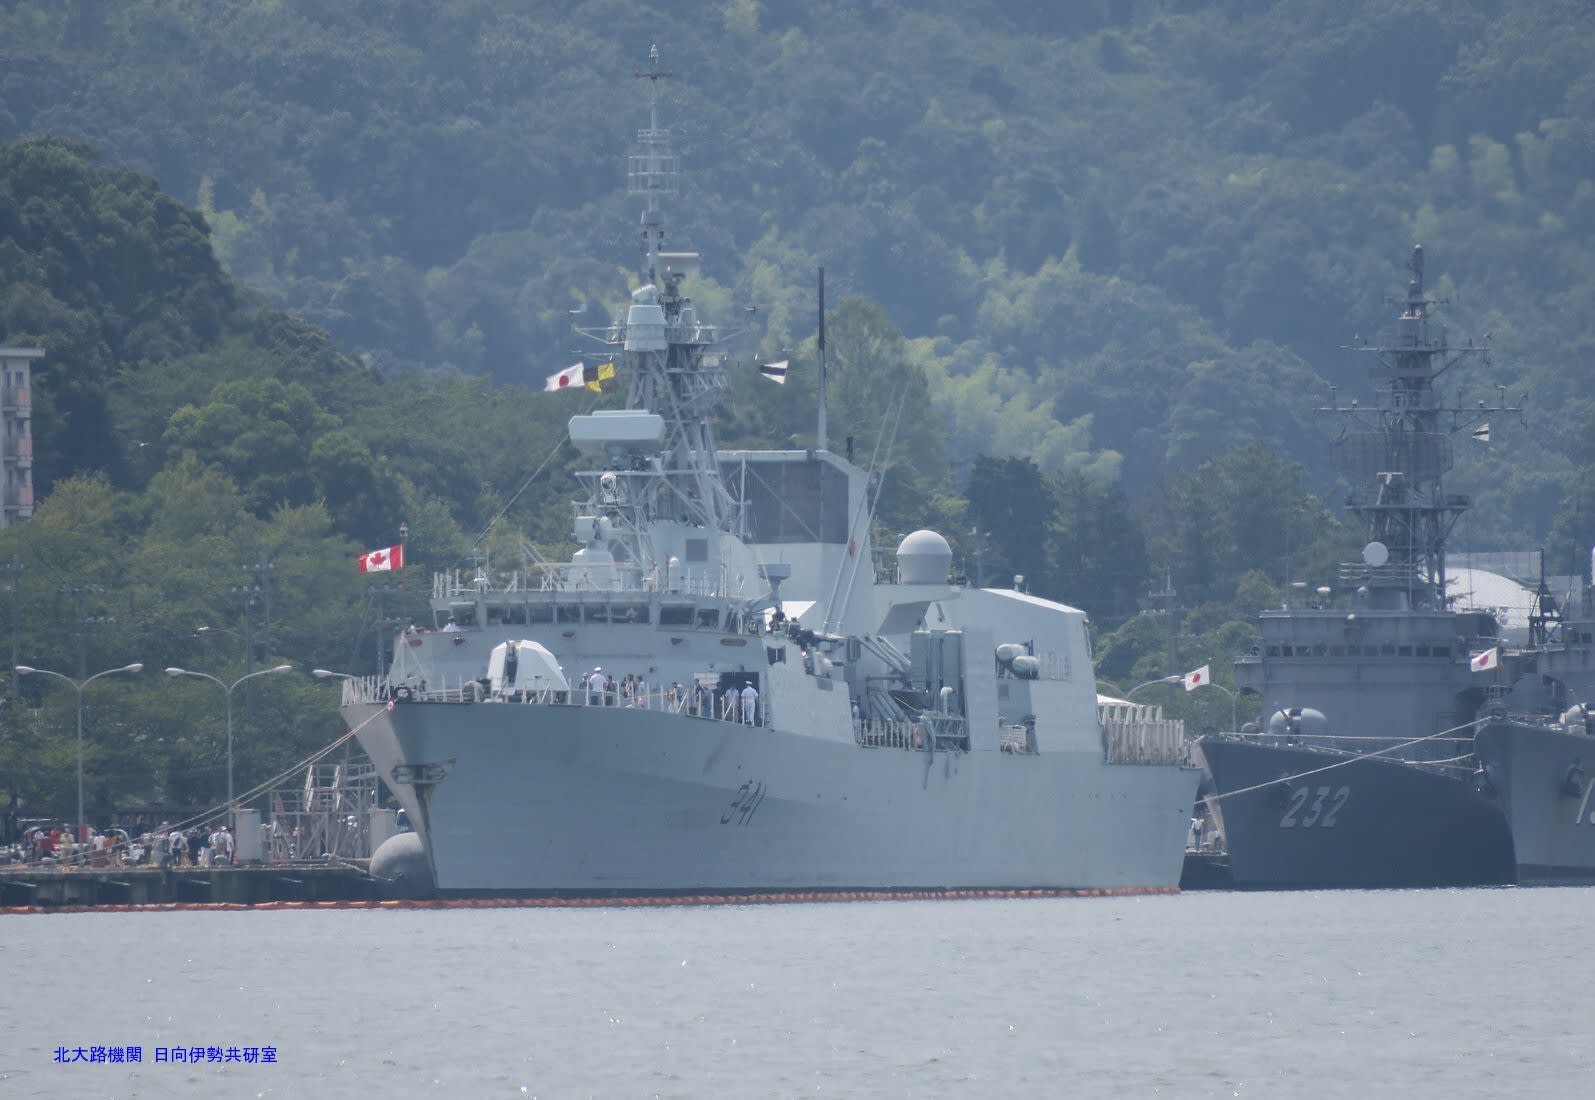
(1345,994)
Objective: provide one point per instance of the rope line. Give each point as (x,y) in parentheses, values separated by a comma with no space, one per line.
(524,486)
(1355,759)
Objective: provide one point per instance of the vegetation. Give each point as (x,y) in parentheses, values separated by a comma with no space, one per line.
(1090,267)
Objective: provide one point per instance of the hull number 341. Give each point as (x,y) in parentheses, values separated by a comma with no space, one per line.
(1314,807)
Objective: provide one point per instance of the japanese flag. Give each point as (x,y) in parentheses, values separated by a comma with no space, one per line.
(381,561)
(1490,658)
(1194,680)
(572,377)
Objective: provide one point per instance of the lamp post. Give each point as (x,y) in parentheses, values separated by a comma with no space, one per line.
(1149,683)
(78,686)
(228,688)
(1233,721)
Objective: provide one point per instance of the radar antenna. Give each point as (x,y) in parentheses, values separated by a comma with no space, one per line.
(653,170)
(1396,453)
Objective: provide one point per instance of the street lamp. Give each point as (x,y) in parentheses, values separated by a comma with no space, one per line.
(328,674)
(1149,683)
(228,688)
(1233,721)
(78,686)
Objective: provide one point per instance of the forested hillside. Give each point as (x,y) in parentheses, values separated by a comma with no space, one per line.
(1125,234)
(300,269)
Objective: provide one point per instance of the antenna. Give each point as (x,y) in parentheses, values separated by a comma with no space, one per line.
(819,432)
(653,170)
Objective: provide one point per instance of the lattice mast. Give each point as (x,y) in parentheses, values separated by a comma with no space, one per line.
(1396,454)
(668,359)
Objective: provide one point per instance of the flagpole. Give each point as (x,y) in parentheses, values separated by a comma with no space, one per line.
(820,433)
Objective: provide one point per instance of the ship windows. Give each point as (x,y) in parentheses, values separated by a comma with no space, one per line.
(1273,651)
(1337,651)
(1442,651)
(1422,651)
(1387,650)
(708,618)
(697,550)
(541,613)
(1404,651)
(1287,651)
(675,616)
(631,613)
(569,613)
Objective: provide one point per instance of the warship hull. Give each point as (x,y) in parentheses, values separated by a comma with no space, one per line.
(1365,823)
(1542,776)
(566,800)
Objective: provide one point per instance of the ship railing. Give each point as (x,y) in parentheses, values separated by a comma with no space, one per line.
(669,699)
(886,733)
(1427,754)
(1394,575)
(572,577)
(1135,734)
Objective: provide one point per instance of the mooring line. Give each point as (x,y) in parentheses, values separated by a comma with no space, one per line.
(1355,759)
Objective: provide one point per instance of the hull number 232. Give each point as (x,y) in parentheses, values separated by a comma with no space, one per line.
(1314,807)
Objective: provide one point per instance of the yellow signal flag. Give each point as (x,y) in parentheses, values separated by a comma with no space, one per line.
(601,379)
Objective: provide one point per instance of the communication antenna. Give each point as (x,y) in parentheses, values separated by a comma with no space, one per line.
(653,171)
(820,442)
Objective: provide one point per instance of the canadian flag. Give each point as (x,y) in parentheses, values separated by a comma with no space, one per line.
(1194,680)
(1490,658)
(381,561)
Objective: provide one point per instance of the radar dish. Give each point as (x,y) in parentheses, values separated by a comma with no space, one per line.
(1375,554)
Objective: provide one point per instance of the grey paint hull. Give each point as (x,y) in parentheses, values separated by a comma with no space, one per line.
(1363,823)
(590,799)
(1552,817)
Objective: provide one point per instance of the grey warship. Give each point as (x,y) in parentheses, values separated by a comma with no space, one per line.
(1366,773)
(1535,743)
(793,713)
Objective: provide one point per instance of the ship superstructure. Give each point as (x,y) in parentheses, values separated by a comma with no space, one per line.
(1363,774)
(719,692)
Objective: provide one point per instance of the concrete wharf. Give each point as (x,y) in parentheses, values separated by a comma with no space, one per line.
(31,888)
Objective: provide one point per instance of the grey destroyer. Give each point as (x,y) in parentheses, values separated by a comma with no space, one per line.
(1406,742)
(725,691)
(1535,743)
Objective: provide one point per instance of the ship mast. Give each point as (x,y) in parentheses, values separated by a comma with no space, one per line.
(670,366)
(1396,456)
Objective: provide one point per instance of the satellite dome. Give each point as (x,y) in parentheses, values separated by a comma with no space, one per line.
(923,557)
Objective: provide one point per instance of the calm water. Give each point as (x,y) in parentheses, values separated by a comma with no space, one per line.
(1437,993)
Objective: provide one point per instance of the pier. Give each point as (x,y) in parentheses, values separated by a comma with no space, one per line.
(44,888)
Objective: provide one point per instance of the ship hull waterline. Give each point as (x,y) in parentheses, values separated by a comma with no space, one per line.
(561,800)
(1545,779)
(1352,822)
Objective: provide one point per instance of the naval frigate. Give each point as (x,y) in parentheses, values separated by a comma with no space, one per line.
(728,690)
(1365,773)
